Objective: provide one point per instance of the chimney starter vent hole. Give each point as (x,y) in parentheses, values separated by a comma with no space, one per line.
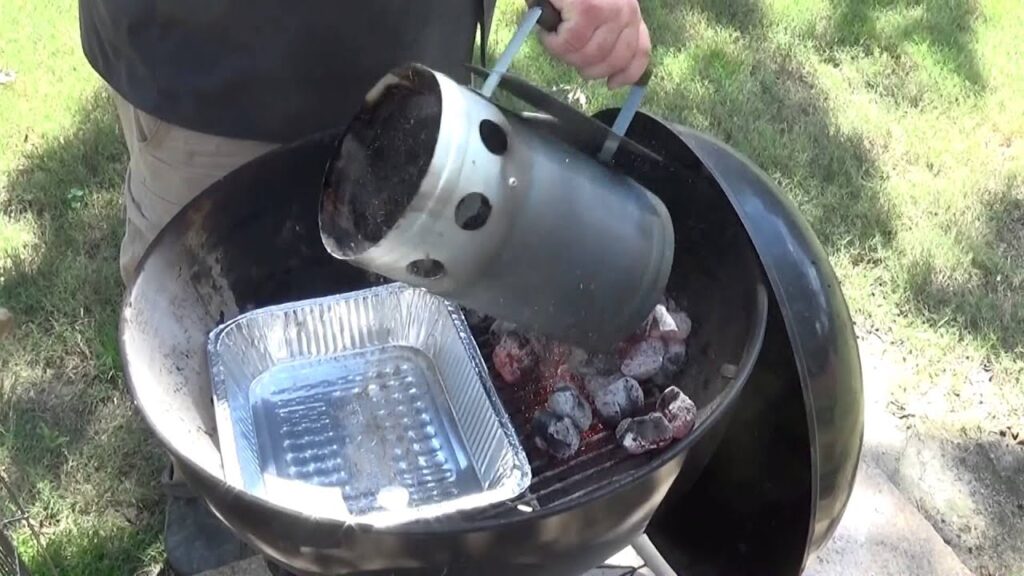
(426,268)
(472,211)
(493,137)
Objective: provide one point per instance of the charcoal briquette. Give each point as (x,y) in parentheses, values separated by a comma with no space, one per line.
(679,411)
(556,435)
(671,367)
(683,323)
(670,304)
(618,399)
(477,320)
(514,357)
(675,356)
(567,401)
(644,359)
(594,383)
(662,318)
(577,357)
(643,434)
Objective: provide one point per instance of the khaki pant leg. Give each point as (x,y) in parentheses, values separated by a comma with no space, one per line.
(168,166)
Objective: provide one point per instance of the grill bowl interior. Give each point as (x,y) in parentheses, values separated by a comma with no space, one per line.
(252,240)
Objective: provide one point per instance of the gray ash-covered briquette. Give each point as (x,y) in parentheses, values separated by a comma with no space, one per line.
(617,399)
(643,434)
(565,400)
(556,435)
(678,410)
(644,359)
(675,356)
(683,324)
(514,357)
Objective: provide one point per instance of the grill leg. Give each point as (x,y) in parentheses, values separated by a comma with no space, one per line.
(652,558)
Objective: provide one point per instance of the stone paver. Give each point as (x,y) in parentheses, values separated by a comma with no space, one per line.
(882,534)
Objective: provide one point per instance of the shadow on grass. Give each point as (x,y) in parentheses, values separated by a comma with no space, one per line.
(738,84)
(946,27)
(761,100)
(743,15)
(75,451)
(989,302)
(764,103)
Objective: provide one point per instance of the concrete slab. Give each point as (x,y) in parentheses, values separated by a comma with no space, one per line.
(882,534)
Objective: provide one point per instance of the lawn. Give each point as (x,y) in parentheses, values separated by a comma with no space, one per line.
(896,125)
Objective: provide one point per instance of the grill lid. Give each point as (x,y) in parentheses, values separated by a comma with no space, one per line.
(808,295)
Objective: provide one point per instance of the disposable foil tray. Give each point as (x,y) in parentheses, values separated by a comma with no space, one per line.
(373,406)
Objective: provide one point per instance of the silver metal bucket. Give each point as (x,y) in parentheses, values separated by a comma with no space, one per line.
(435,186)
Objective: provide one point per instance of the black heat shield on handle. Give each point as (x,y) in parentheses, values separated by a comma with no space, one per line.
(550,17)
(585,133)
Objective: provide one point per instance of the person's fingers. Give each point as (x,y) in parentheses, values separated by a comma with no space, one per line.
(618,58)
(601,39)
(636,68)
(580,20)
(599,49)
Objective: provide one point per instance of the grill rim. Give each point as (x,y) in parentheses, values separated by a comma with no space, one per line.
(223,493)
(458,525)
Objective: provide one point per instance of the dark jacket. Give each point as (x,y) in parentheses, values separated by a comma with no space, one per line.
(271,70)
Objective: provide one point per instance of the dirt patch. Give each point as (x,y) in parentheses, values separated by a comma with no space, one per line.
(971,493)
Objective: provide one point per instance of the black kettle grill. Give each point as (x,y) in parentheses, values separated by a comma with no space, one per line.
(757,488)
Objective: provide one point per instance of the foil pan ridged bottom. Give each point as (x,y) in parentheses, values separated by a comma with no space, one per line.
(373,406)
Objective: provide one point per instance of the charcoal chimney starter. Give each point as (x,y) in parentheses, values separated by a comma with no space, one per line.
(435,186)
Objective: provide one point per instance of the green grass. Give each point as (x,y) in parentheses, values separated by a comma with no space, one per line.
(69,440)
(896,125)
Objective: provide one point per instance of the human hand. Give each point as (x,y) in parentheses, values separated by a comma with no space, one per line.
(601,39)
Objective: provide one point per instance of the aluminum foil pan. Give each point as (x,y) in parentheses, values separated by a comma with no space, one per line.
(373,406)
